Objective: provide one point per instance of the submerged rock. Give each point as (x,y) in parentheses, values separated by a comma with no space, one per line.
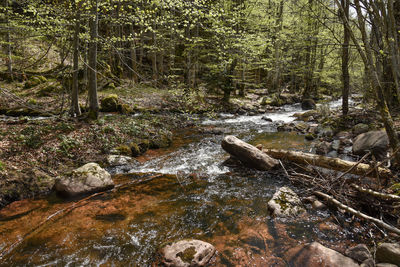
(375,141)
(285,202)
(89,178)
(187,253)
(316,255)
(388,253)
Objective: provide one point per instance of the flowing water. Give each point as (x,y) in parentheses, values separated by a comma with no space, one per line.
(179,193)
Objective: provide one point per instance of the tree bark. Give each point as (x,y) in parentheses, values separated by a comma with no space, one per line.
(92,72)
(8,41)
(75,109)
(327,162)
(345,59)
(249,155)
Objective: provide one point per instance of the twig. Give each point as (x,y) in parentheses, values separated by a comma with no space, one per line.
(358,213)
(375,193)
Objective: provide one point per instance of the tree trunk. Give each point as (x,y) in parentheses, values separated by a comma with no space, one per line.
(345,59)
(133,64)
(93,99)
(75,109)
(248,154)
(8,42)
(327,162)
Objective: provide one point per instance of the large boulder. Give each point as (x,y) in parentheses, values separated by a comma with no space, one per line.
(388,253)
(308,104)
(286,203)
(187,253)
(316,255)
(87,179)
(375,141)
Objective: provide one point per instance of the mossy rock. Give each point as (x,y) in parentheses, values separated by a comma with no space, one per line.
(110,103)
(34,81)
(124,150)
(162,140)
(46,91)
(135,149)
(125,109)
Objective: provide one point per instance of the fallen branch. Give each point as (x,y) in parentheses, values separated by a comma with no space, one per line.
(358,213)
(337,164)
(376,194)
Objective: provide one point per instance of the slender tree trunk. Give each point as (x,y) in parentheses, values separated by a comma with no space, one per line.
(8,42)
(278,28)
(394,47)
(93,99)
(133,71)
(345,59)
(75,109)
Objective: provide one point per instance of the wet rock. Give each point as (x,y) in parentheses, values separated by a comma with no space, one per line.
(118,160)
(310,136)
(326,131)
(187,253)
(307,116)
(265,118)
(360,128)
(375,141)
(161,140)
(316,255)
(336,144)
(285,202)
(323,148)
(89,178)
(301,127)
(308,104)
(345,138)
(388,253)
(360,253)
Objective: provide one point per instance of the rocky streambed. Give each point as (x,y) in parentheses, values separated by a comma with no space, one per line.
(186,193)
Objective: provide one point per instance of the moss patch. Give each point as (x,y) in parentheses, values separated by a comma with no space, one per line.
(188,254)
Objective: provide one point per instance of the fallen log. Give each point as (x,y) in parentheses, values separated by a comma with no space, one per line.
(337,164)
(357,213)
(249,155)
(375,193)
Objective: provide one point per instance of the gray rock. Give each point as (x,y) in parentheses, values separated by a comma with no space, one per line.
(360,128)
(285,203)
(187,253)
(336,144)
(119,160)
(318,205)
(359,253)
(301,127)
(323,148)
(375,141)
(316,255)
(388,253)
(86,179)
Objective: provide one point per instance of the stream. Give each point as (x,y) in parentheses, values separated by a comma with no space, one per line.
(177,193)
